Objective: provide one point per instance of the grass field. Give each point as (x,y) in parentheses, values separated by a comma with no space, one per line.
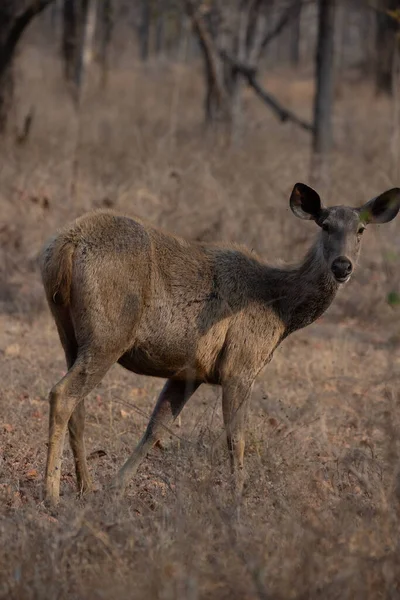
(320,514)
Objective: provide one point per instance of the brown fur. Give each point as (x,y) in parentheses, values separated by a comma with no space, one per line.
(58,267)
(123,291)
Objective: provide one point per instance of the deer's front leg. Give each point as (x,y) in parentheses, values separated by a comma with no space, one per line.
(236,394)
(169,405)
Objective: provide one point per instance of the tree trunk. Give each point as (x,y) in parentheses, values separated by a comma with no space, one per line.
(144,30)
(341,38)
(368,27)
(216,100)
(214,106)
(69,39)
(323,101)
(85,55)
(104,38)
(160,30)
(386,30)
(13,23)
(6,94)
(55,14)
(224,36)
(74,18)
(295,36)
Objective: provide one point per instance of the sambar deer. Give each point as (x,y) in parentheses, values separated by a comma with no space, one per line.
(123,291)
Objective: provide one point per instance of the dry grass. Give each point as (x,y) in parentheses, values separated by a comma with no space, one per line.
(320,515)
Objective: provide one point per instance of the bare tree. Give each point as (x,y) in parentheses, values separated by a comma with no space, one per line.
(80,23)
(322,139)
(144,29)
(368,27)
(105,25)
(295,35)
(74,17)
(386,38)
(15,16)
(160,26)
(86,53)
(233,38)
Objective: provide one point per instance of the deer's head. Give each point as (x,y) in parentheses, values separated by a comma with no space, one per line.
(342,226)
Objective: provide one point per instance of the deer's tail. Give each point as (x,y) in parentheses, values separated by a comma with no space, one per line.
(55,262)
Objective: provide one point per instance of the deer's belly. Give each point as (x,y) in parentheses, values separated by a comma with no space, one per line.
(143,362)
(187,354)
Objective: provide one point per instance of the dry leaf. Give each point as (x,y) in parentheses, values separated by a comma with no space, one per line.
(12,350)
(32,474)
(45,517)
(137,392)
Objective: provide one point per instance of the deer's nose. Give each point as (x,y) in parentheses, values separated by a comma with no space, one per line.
(342,268)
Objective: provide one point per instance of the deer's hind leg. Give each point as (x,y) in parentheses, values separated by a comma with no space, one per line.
(76,423)
(88,363)
(85,373)
(170,403)
(76,428)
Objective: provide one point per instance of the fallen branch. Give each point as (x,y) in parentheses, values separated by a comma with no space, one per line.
(249,73)
(283,113)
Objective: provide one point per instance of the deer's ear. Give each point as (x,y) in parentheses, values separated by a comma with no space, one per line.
(305,202)
(381,209)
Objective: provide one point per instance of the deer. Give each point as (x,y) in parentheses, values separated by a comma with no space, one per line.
(123,291)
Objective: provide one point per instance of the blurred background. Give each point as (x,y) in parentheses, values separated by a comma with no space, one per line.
(197,115)
(200,116)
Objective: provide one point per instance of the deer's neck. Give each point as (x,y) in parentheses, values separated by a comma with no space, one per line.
(305,291)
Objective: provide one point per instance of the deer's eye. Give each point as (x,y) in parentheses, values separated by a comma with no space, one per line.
(326,227)
(360,230)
